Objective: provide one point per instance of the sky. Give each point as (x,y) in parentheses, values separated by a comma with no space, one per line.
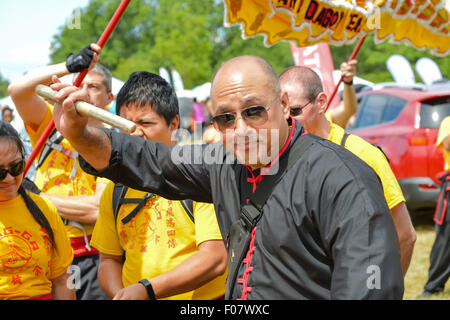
(26,30)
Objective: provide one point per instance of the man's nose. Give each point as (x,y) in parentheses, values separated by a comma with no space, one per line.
(138,132)
(241,126)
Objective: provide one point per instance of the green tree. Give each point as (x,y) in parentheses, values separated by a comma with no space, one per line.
(4,83)
(184,35)
(372,58)
(189,36)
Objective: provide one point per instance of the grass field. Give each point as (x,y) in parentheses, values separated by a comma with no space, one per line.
(418,269)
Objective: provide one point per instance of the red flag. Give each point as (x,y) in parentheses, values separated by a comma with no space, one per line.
(318,57)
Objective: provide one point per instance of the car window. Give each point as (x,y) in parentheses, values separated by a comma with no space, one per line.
(433,111)
(393,109)
(371,110)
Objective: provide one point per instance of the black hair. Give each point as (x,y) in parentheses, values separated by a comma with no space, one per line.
(149,89)
(8,133)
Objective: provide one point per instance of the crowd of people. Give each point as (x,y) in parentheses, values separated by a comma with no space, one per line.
(279,202)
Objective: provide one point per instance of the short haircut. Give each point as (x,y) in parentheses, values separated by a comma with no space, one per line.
(262,63)
(107,77)
(306,77)
(6,108)
(149,89)
(8,133)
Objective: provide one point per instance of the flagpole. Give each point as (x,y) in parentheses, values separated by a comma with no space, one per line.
(352,56)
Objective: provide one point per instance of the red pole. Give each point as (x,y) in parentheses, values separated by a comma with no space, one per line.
(101,42)
(353,55)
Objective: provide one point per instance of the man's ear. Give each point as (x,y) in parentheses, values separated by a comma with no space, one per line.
(175,123)
(110,97)
(284,99)
(322,102)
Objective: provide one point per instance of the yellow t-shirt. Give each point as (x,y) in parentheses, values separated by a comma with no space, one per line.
(157,239)
(28,262)
(444,131)
(372,156)
(53,176)
(328,116)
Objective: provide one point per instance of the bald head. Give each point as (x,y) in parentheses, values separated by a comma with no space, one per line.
(246,98)
(247,67)
(302,76)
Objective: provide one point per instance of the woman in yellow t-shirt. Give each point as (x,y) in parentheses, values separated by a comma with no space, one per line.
(35,251)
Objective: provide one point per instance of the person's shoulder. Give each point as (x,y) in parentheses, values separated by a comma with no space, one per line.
(364,148)
(445,124)
(325,155)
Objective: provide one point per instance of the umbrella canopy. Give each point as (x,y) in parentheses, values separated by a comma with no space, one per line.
(421,23)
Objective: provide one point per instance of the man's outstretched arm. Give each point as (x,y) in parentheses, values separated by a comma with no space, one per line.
(91,142)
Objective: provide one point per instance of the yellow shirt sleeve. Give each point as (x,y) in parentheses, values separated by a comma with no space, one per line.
(328,116)
(104,237)
(444,131)
(36,134)
(206,226)
(372,156)
(377,161)
(102,180)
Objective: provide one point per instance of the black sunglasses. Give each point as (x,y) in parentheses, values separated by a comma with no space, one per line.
(297,110)
(254,116)
(14,170)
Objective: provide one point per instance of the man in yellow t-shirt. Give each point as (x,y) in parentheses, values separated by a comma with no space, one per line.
(439,270)
(75,194)
(167,254)
(308,103)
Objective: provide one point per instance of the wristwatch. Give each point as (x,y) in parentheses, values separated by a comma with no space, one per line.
(348,82)
(149,288)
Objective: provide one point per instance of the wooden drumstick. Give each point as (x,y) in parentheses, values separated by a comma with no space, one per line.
(89,110)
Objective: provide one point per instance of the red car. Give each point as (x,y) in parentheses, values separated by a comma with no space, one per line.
(404,122)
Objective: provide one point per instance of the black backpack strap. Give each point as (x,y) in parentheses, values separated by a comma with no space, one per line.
(119,193)
(382,151)
(141,203)
(188,206)
(55,138)
(344,139)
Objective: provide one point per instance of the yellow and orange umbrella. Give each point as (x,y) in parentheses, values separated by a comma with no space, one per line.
(420,23)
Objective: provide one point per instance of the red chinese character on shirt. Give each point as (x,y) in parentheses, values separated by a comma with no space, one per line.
(16,280)
(169,212)
(144,248)
(172,243)
(170,223)
(37,270)
(171,233)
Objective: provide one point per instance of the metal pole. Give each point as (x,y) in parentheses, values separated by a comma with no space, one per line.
(353,55)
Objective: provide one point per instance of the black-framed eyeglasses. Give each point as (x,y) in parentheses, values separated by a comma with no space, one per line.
(297,110)
(254,116)
(15,170)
